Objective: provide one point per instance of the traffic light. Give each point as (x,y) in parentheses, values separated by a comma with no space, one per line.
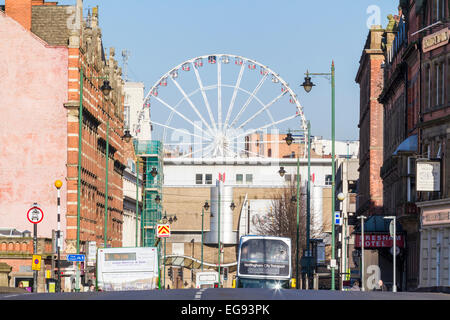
(170,272)
(225,273)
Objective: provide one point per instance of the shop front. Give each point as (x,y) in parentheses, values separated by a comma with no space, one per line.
(435,244)
(378,253)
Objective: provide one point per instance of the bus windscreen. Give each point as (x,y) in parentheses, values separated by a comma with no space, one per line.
(265,257)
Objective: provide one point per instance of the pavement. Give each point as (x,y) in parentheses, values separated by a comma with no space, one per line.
(12,290)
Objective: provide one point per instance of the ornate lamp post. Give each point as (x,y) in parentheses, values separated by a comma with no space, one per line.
(307,85)
(204,208)
(106,89)
(289,140)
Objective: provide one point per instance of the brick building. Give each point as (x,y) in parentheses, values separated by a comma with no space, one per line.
(41,100)
(370,80)
(370,186)
(415,124)
(434,142)
(401,106)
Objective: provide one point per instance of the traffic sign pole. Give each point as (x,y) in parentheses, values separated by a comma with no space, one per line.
(394,285)
(35,215)
(35,272)
(393,234)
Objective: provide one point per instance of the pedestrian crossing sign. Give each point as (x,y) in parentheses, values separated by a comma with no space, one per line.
(163,230)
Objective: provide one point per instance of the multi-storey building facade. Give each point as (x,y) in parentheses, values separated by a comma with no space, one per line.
(347,177)
(370,79)
(370,186)
(399,98)
(132,195)
(434,142)
(62,67)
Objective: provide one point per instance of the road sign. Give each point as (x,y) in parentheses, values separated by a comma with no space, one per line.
(391,228)
(163,230)
(36,262)
(397,250)
(75,257)
(337,218)
(35,215)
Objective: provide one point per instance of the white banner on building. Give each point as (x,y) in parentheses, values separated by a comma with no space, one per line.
(428,175)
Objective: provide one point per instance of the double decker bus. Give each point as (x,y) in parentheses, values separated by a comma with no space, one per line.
(264,262)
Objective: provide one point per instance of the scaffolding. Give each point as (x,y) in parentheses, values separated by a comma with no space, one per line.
(150,156)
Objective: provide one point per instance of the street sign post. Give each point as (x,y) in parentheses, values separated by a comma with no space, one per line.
(393,233)
(35,215)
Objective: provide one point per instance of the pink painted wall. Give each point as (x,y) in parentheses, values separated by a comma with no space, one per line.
(33,127)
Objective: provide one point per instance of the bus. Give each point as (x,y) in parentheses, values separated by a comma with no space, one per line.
(122,269)
(206,279)
(264,262)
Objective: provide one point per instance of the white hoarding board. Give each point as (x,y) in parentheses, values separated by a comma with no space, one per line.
(127,268)
(92,253)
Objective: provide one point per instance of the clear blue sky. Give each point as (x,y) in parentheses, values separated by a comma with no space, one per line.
(289,36)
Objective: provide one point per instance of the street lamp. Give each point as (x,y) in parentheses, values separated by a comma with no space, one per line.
(289,139)
(158,199)
(205,207)
(281,171)
(174,219)
(307,85)
(127,136)
(106,89)
(58,185)
(294,199)
(232,206)
(154,172)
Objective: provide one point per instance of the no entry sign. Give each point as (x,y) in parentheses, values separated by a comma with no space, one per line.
(35,215)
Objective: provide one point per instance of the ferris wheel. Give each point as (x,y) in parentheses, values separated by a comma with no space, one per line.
(205,107)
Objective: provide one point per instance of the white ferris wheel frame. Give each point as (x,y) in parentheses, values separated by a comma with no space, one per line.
(213,126)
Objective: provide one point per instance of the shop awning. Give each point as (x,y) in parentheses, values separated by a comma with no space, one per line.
(409,145)
(376,224)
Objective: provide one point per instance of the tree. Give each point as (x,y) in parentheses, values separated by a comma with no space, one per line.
(281,221)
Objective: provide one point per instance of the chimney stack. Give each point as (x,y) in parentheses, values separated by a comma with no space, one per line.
(19,10)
